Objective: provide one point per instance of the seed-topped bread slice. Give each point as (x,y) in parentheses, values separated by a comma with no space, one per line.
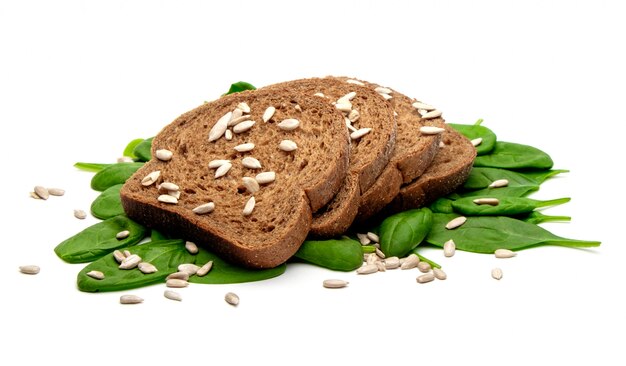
(246,173)
(371,123)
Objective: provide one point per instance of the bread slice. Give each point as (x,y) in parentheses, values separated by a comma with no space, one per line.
(449,169)
(369,155)
(305,179)
(414,150)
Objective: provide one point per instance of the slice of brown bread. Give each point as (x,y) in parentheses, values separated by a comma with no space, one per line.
(448,171)
(414,150)
(369,155)
(305,179)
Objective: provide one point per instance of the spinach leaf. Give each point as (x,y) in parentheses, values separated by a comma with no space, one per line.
(108,203)
(402,232)
(143,150)
(424,259)
(130,148)
(485,234)
(164,255)
(99,239)
(225,272)
(157,235)
(239,87)
(536,217)
(509,155)
(508,206)
(502,192)
(477,131)
(112,175)
(442,205)
(343,254)
(91,167)
(480,178)
(541,175)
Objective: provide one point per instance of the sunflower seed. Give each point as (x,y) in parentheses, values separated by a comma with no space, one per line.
(372,258)
(344,106)
(168,186)
(363,238)
(477,141)
(487,201)
(119,256)
(122,235)
(428,277)
(297,107)
(442,144)
(380,253)
(424,106)
(350,127)
(29,269)
(349,96)
(251,184)
(383,90)
(130,299)
(392,262)
(360,133)
(236,114)
(164,154)
(269,113)
(214,164)
(175,194)
(80,214)
(130,262)
(496,273)
(125,159)
(126,253)
(188,268)
(333,283)
(228,135)
(431,130)
(56,191)
(176,283)
(204,269)
(321,95)
(289,124)
(238,120)
(265,177)
(439,274)
(456,222)
(385,95)
(247,209)
(172,295)
(147,268)
(222,170)
(410,262)
(499,183)
(355,82)
(381,266)
(432,114)
(504,253)
(367,269)
(97,275)
(204,208)
(244,147)
(245,108)
(219,127)
(166,198)
(178,276)
(34,195)
(191,247)
(373,237)
(42,192)
(449,248)
(354,115)
(243,126)
(287,145)
(151,178)
(424,267)
(232,298)
(250,162)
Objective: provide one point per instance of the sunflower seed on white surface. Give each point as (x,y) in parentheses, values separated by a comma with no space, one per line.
(424,106)
(392,262)
(243,126)
(499,183)
(178,276)
(373,237)
(379,253)
(214,164)
(363,239)
(251,163)
(42,192)
(30,269)
(220,127)
(367,269)
(372,258)
(97,275)
(251,184)
(244,147)
(439,274)
(188,268)
(147,268)
(334,283)
(456,222)
(504,253)
(289,124)
(56,191)
(360,133)
(424,267)
(496,273)
(232,298)
(202,271)
(172,295)
(381,266)
(427,277)
(477,141)
(431,130)
(176,283)
(191,247)
(432,114)
(204,208)
(265,177)
(249,206)
(130,262)
(287,145)
(269,113)
(410,262)
(222,170)
(164,154)
(122,235)
(449,248)
(80,214)
(245,108)
(130,299)
(151,178)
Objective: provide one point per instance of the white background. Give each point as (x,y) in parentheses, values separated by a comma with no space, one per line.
(80,79)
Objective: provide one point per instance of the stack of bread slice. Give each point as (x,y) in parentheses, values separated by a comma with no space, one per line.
(252,174)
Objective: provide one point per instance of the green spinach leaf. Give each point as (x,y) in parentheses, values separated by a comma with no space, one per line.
(442,205)
(239,87)
(477,131)
(343,254)
(537,217)
(91,167)
(402,232)
(143,150)
(114,174)
(130,148)
(108,204)
(508,206)
(225,272)
(509,155)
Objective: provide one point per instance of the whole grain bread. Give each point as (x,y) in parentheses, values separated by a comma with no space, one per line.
(369,155)
(305,179)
